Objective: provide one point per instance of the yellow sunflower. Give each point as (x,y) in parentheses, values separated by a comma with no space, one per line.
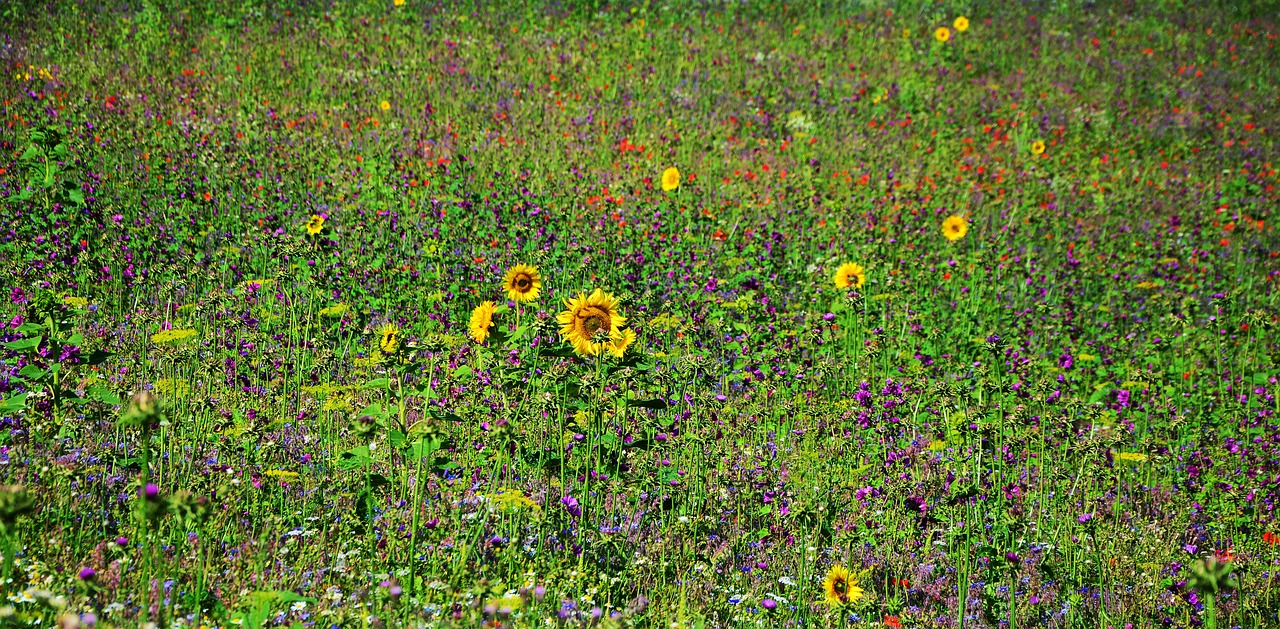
(1037,147)
(671,179)
(621,342)
(841,586)
(955,227)
(942,34)
(522,283)
(315,225)
(961,24)
(388,338)
(586,316)
(481,321)
(850,274)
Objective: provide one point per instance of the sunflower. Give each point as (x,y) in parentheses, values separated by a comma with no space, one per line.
(841,586)
(522,283)
(315,225)
(388,338)
(850,274)
(942,34)
(481,321)
(588,315)
(955,227)
(621,342)
(1037,147)
(961,24)
(384,105)
(671,179)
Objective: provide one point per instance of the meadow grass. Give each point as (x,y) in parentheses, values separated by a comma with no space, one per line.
(244,381)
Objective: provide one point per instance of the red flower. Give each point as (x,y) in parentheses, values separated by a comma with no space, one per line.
(1271,538)
(892,621)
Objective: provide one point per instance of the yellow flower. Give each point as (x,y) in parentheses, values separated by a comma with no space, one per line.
(942,34)
(587,315)
(849,274)
(336,310)
(1037,147)
(315,225)
(398,3)
(841,586)
(623,341)
(481,321)
(1136,457)
(511,500)
(671,179)
(522,283)
(172,336)
(384,105)
(961,24)
(955,227)
(388,338)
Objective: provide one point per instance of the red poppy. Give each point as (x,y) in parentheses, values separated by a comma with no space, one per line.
(1271,538)
(892,621)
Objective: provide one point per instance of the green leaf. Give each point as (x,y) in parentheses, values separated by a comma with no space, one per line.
(462,372)
(355,459)
(103,394)
(28,328)
(379,383)
(396,438)
(24,344)
(14,404)
(97,357)
(421,448)
(445,416)
(32,372)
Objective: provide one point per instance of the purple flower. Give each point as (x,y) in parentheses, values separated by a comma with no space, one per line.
(571,506)
(1084,517)
(151,492)
(566,610)
(87,573)
(769,604)
(1122,398)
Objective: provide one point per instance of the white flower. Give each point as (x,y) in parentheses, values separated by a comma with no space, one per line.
(299,606)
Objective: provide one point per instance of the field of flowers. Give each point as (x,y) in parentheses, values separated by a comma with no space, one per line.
(734,314)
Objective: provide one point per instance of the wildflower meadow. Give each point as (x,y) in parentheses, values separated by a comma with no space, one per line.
(732,313)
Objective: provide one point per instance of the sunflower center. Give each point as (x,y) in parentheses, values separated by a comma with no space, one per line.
(522,282)
(594,322)
(840,587)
